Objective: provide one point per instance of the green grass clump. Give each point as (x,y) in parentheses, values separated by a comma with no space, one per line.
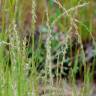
(26,60)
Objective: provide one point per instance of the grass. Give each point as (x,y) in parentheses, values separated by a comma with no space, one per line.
(20,74)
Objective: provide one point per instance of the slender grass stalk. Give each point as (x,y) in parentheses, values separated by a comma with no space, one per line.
(33,76)
(48,48)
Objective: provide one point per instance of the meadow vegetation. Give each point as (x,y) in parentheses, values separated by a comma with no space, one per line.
(47,47)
